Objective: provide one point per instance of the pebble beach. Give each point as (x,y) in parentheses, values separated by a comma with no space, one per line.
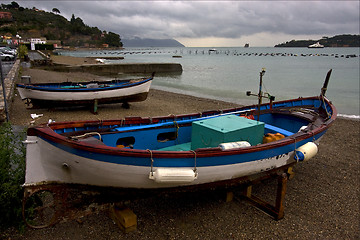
(322,200)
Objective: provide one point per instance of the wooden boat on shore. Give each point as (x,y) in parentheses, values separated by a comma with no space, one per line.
(177,151)
(85,93)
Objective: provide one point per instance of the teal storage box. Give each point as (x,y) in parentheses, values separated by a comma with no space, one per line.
(230,128)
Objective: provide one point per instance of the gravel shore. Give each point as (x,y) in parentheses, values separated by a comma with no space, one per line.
(322,200)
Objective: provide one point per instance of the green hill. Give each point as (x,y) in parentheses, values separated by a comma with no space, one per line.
(345,40)
(34,23)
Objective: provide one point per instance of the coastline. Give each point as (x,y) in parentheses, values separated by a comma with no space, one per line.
(244,63)
(322,200)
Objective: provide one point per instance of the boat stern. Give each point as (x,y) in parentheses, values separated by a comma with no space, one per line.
(21,90)
(34,171)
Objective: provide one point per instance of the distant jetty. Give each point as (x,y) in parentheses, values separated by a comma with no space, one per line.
(108,58)
(109,69)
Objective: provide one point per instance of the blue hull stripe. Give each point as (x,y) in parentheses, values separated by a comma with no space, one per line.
(185,162)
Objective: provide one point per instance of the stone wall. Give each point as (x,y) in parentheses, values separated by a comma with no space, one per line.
(9,82)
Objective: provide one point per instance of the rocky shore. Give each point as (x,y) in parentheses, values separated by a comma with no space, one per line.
(322,200)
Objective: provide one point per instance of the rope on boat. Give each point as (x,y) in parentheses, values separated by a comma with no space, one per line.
(297,157)
(295,152)
(195,169)
(313,135)
(303,110)
(86,135)
(323,100)
(152,161)
(177,130)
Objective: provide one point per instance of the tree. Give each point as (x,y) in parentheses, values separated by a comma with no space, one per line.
(12,5)
(113,39)
(55,10)
(72,20)
(15,5)
(77,25)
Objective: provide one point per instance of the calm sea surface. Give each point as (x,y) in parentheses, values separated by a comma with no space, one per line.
(227,73)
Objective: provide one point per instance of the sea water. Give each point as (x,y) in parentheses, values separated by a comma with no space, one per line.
(227,73)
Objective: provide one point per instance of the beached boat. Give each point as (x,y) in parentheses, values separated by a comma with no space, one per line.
(85,93)
(201,149)
(316,45)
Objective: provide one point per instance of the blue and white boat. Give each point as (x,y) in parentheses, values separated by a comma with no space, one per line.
(85,93)
(213,147)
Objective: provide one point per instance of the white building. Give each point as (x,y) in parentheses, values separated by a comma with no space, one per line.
(37,40)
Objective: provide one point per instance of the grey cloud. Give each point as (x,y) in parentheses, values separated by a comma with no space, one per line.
(196,19)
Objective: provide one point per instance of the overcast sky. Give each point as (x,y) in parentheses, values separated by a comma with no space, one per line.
(214,23)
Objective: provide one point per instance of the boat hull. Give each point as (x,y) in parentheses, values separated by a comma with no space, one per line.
(61,166)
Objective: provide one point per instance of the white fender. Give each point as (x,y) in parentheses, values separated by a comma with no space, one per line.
(232,145)
(306,151)
(173,175)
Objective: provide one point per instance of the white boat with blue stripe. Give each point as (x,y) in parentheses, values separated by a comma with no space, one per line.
(85,93)
(213,147)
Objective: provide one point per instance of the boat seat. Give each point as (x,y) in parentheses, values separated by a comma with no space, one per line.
(274,129)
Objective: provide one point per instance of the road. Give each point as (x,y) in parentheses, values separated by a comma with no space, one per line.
(35,56)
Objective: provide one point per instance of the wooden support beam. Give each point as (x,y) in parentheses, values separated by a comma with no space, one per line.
(95,107)
(124,218)
(280,196)
(290,173)
(277,211)
(229,196)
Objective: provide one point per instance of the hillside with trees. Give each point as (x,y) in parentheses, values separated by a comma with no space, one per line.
(345,40)
(35,23)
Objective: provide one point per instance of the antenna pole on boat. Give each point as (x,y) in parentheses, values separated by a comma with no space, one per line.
(260,94)
(262,73)
(324,88)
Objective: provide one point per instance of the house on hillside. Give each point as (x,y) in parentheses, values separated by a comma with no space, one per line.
(6,38)
(55,43)
(37,40)
(5,15)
